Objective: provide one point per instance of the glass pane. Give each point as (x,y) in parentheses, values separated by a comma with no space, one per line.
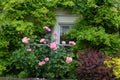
(63,30)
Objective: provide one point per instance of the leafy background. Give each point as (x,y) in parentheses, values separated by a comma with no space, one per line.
(97,26)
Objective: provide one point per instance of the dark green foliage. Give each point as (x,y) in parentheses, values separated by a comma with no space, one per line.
(26,62)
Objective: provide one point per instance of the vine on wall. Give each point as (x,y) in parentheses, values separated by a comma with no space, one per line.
(19,18)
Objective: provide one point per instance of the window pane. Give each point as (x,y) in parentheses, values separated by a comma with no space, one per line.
(63,30)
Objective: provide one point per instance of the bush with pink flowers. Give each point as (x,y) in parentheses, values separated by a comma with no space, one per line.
(45,58)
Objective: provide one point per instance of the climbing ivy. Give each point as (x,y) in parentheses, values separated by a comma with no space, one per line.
(20,18)
(99,25)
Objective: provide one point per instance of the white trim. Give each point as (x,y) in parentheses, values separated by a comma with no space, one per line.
(69,26)
(63,18)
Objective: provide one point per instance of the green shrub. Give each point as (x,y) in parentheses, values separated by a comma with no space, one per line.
(30,56)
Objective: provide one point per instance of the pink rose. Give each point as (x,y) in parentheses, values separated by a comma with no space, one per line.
(56,42)
(63,42)
(72,43)
(41,63)
(55,33)
(68,59)
(47,28)
(46,59)
(19,33)
(53,45)
(56,38)
(25,40)
(42,40)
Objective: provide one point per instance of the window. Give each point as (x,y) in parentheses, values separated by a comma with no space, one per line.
(64,22)
(63,30)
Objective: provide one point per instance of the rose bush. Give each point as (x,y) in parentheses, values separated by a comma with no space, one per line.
(45,58)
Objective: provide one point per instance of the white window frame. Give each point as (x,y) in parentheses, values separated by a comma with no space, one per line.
(61,25)
(63,18)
